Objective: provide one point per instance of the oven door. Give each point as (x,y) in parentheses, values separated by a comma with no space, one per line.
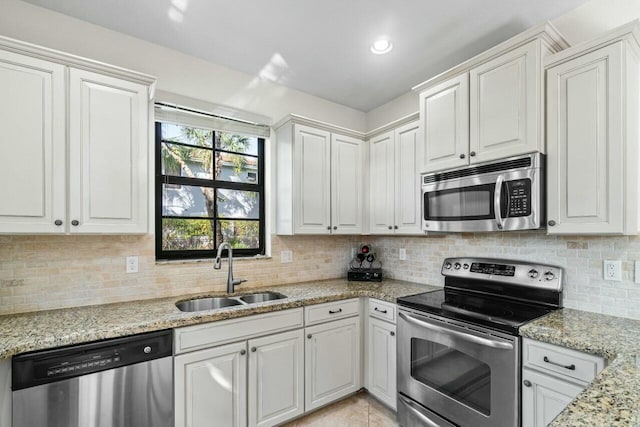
(464,374)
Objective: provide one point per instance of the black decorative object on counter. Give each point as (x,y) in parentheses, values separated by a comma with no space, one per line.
(365,267)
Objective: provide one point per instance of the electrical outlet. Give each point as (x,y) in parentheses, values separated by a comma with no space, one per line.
(613,270)
(637,275)
(286,257)
(132,264)
(402,254)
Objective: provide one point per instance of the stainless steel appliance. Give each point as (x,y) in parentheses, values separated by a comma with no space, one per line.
(459,349)
(502,195)
(122,382)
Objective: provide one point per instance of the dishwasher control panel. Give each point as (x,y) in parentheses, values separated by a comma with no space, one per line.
(42,367)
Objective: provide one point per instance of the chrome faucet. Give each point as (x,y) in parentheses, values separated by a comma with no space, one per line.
(231,282)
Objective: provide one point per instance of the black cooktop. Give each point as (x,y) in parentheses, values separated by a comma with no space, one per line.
(490,311)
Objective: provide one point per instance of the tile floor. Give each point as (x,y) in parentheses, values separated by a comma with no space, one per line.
(360,410)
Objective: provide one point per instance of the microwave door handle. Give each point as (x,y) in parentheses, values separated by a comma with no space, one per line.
(463,336)
(497,201)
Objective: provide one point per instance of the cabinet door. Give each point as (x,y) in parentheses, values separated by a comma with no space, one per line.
(311,172)
(505,110)
(407,218)
(381,184)
(381,361)
(347,192)
(332,361)
(108,154)
(32,142)
(585,144)
(211,387)
(276,378)
(444,115)
(544,398)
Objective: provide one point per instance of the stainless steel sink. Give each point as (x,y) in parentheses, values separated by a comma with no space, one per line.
(203,304)
(261,297)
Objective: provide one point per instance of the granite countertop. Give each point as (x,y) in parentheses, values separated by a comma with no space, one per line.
(46,329)
(613,398)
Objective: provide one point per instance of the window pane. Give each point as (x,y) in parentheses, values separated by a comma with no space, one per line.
(238,204)
(178,160)
(240,234)
(236,168)
(187,135)
(187,234)
(237,143)
(187,200)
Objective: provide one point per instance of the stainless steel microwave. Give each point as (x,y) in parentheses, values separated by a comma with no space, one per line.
(501,195)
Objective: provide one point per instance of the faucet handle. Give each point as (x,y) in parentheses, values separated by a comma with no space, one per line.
(236,282)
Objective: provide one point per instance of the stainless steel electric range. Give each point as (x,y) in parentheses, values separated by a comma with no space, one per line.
(459,349)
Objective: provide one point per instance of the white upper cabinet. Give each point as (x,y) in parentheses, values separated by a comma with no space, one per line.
(319,179)
(382,190)
(505,105)
(489,107)
(592,136)
(77,141)
(444,113)
(32,142)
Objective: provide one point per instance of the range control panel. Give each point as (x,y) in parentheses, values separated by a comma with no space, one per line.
(517,273)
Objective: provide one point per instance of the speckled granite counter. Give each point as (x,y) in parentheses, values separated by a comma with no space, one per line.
(46,329)
(613,398)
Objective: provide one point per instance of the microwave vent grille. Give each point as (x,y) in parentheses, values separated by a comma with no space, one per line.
(478,170)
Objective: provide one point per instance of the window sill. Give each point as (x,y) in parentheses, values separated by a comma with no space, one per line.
(210,260)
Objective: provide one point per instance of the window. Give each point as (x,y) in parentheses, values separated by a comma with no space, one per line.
(209,190)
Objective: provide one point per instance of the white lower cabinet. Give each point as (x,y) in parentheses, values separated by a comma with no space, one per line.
(381,361)
(544,398)
(332,361)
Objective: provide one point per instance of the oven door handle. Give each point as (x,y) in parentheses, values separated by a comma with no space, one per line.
(410,406)
(464,336)
(497,201)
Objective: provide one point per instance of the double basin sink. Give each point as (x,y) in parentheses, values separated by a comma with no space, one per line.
(203,304)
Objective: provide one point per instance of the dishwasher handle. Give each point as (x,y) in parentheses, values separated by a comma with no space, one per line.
(58,364)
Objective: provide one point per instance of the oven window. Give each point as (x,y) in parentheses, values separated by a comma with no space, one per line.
(460,204)
(453,373)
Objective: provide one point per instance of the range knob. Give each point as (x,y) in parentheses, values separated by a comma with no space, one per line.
(457,266)
(447,265)
(533,273)
(465,266)
(548,275)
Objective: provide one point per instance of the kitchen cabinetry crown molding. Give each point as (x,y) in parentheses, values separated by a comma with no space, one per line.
(40,52)
(546,33)
(306,121)
(393,125)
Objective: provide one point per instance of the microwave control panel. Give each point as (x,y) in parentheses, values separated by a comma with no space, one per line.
(519,197)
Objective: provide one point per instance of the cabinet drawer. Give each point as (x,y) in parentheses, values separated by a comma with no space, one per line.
(560,360)
(382,310)
(225,331)
(331,311)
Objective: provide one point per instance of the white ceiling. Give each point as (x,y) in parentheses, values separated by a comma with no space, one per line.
(322,47)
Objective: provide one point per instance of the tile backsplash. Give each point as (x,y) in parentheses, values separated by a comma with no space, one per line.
(46,272)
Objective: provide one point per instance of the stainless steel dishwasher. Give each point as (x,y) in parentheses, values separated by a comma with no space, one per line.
(122,382)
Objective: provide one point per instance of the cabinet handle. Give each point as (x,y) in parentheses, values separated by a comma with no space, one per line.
(571,367)
(335,227)
(309,336)
(393,334)
(253,349)
(381,311)
(472,154)
(243,352)
(390,228)
(75,222)
(58,222)
(551,223)
(527,383)
(336,311)
(462,156)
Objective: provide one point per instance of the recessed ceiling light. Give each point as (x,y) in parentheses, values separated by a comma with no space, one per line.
(381,46)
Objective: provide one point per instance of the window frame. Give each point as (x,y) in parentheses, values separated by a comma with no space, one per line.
(160,179)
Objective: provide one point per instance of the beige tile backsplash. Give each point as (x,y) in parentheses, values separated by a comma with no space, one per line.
(46,272)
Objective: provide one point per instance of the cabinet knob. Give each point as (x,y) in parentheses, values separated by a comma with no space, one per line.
(75,222)
(462,156)
(527,383)
(551,223)
(395,227)
(393,334)
(309,336)
(335,227)
(390,228)
(472,154)
(253,349)
(328,227)
(243,352)
(58,222)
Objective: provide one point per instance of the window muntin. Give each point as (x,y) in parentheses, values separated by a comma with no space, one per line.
(209,190)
